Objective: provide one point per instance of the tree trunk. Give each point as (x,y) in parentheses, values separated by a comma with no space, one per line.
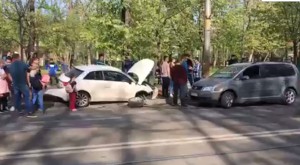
(126,19)
(250,59)
(295,51)
(89,54)
(32,37)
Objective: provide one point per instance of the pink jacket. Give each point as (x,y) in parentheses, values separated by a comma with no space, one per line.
(165,70)
(3,84)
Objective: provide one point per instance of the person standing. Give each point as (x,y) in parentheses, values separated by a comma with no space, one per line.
(101,60)
(187,63)
(64,66)
(19,75)
(165,76)
(197,71)
(179,78)
(9,82)
(37,85)
(71,90)
(52,71)
(233,59)
(4,90)
(171,64)
(127,64)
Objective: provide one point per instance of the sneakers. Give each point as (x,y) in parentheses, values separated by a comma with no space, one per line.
(31,115)
(73,110)
(12,109)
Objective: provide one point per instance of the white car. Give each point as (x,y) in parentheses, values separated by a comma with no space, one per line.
(99,83)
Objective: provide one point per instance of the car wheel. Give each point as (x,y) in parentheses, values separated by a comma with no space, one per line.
(83,99)
(142,95)
(289,96)
(227,99)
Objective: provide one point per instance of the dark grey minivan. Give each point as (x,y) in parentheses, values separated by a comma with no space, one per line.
(249,82)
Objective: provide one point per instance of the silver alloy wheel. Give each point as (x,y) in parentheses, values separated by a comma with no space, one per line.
(290,96)
(82,99)
(229,100)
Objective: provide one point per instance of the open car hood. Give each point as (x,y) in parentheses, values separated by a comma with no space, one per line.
(142,69)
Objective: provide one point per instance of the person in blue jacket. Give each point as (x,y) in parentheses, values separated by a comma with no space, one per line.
(52,69)
(188,65)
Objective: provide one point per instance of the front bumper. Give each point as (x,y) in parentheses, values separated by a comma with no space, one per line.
(204,96)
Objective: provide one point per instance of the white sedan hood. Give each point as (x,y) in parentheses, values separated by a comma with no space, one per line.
(142,69)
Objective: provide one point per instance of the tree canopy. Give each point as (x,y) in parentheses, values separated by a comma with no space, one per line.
(80,29)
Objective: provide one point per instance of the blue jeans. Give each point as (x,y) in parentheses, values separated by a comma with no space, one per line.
(171,87)
(191,79)
(37,98)
(182,90)
(18,92)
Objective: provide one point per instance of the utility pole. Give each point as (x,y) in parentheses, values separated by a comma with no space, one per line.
(207,37)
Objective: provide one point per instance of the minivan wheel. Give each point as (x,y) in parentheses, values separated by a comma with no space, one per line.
(227,99)
(83,99)
(289,96)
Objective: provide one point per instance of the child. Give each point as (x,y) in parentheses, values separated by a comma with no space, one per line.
(71,89)
(4,90)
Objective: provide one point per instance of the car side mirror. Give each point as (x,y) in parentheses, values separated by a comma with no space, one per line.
(245,78)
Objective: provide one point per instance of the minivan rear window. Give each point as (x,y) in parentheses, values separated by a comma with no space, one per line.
(75,72)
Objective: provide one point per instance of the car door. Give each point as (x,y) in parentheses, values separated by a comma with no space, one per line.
(120,87)
(271,80)
(93,83)
(250,88)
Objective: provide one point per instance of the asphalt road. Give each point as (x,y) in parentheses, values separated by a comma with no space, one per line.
(153,135)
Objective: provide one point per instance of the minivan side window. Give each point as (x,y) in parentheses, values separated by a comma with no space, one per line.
(270,70)
(287,70)
(277,70)
(252,72)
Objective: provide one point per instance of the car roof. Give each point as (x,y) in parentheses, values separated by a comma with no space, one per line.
(258,63)
(90,68)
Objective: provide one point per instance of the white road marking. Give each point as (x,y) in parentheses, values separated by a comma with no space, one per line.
(75,120)
(142,144)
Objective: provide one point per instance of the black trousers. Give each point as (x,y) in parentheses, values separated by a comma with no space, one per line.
(165,86)
(3,102)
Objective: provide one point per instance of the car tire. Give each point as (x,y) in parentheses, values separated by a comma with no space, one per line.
(142,95)
(227,99)
(289,96)
(83,99)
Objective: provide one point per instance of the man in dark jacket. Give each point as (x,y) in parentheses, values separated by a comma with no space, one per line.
(127,64)
(179,77)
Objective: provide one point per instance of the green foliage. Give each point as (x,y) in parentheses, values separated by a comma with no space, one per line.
(157,27)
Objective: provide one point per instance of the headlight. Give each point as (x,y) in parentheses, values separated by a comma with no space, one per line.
(210,89)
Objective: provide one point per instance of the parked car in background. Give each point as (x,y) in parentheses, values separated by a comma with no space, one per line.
(102,83)
(249,82)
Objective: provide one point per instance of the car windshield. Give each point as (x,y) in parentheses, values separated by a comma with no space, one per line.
(75,72)
(228,72)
